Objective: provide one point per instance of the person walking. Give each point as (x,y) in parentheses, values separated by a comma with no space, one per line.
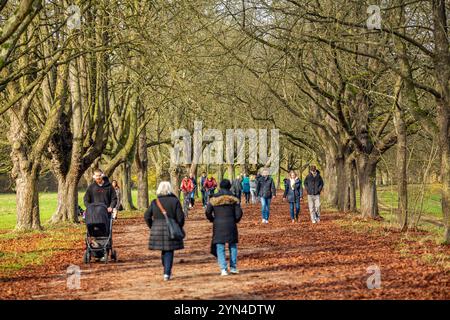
(293,193)
(265,189)
(100,192)
(236,187)
(225,212)
(210,186)
(194,182)
(156,222)
(253,188)
(187,187)
(246,188)
(314,185)
(202,189)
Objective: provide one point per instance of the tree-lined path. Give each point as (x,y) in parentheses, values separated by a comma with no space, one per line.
(277,261)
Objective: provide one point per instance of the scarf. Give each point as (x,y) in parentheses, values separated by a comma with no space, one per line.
(293,183)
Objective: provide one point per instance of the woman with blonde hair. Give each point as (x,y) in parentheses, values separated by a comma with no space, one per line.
(168,204)
(292,193)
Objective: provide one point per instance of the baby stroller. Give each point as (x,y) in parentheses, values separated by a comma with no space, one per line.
(99,234)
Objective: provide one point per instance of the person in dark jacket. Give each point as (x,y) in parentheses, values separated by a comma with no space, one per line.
(265,189)
(159,234)
(314,186)
(101,191)
(224,211)
(194,192)
(236,187)
(202,189)
(293,193)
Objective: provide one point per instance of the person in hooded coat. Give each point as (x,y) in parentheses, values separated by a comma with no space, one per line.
(225,212)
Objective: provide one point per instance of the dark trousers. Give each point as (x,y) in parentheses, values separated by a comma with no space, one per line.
(238,195)
(167,261)
(204,197)
(247,197)
(209,193)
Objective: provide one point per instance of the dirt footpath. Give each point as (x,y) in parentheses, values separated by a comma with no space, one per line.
(276,261)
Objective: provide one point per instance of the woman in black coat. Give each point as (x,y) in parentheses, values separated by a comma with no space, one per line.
(159,235)
(224,211)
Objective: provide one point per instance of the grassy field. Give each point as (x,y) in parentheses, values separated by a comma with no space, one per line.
(20,250)
(47,205)
(431,198)
(431,217)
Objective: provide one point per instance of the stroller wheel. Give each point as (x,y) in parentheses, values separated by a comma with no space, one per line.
(87,257)
(114,255)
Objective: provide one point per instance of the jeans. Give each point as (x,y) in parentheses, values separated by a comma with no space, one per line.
(204,198)
(192,198)
(265,207)
(294,206)
(314,207)
(221,256)
(167,261)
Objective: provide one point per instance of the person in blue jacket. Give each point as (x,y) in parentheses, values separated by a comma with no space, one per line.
(246,188)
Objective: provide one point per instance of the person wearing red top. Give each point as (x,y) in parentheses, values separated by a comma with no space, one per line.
(187,187)
(210,186)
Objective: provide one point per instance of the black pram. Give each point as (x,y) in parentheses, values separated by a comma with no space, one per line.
(99,233)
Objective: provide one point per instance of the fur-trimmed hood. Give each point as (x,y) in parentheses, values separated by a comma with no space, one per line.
(223,199)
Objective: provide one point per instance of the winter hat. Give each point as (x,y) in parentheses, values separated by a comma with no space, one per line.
(225,184)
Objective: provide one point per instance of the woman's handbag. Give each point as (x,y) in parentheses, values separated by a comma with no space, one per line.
(175,231)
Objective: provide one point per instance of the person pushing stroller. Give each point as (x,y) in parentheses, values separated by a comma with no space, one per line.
(100,192)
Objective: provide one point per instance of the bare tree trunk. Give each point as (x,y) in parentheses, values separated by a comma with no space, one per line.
(141,160)
(442,69)
(367,184)
(175,178)
(230,172)
(27,200)
(219,173)
(401,162)
(127,200)
(67,209)
(350,197)
(330,180)
(444,143)
(341,183)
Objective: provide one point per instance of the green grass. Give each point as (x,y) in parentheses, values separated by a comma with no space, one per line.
(47,205)
(388,198)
